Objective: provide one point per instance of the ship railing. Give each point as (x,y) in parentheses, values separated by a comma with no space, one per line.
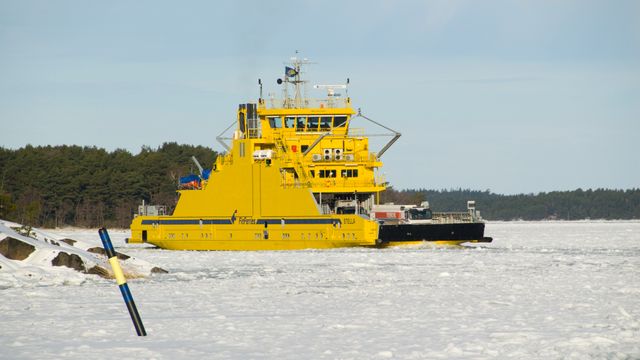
(452,217)
(331,183)
(329,103)
(281,152)
(356,131)
(151,210)
(253,133)
(291,161)
(294,162)
(297,184)
(340,183)
(367,158)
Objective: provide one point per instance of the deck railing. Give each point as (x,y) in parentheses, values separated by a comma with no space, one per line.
(452,217)
(330,103)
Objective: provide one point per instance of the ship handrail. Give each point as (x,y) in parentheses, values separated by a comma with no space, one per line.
(308,103)
(295,163)
(452,216)
(335,183)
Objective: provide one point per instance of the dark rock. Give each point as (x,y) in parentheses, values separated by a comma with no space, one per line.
(15,249)
(100,271)
(157,270)
(122,256)
(52,242)
(69,260)
(99,250)
(69,241)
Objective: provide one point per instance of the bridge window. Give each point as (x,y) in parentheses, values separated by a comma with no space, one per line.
(339,121)
(289,121)
(325,123)
(312,124)
(315,123)
(300,123)
(275,122)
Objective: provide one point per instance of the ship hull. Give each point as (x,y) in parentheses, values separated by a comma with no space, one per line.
(247,235)
(319,233)
(436,233)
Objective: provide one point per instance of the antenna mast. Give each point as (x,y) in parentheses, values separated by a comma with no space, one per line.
(293,75)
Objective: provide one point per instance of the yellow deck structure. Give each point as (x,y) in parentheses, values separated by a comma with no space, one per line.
(295,176)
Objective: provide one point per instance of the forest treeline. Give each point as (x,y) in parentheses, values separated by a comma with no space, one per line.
(562,205)
(54,186)
(87,186)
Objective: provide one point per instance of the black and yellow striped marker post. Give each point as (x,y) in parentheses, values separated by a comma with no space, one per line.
(122,282)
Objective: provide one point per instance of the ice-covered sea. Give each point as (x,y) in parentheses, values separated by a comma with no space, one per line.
(541,290)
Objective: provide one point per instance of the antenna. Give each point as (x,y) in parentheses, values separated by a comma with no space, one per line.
(293,75)
(331,89)
(346,91)
(260,83)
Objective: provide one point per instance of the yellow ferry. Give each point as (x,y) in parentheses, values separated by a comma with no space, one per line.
(296,176)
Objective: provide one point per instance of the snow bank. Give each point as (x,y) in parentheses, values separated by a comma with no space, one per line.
(31,257)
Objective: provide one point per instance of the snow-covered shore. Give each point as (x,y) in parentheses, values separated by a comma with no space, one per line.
(543,290)
(33,257)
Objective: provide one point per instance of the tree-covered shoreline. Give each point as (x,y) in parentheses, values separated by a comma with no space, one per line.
(56,186)
(577,204)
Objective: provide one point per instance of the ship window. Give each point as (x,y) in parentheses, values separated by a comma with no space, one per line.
(349,173)
(325,122)
(312,125)
(289,121)
(339,121)
(312,173)
(419,214)
(304,148)
(242,122)
(300,122)
(275,122)
(327,173)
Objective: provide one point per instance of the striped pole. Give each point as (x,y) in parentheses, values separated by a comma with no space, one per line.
(122,282)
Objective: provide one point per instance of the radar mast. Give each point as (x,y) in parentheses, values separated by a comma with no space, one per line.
(293,75)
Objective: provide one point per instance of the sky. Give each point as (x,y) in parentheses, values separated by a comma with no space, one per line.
(507,96)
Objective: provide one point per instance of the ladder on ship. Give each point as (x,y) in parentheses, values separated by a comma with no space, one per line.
(295,164)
